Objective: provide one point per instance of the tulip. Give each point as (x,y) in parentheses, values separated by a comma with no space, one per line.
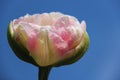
(48,39)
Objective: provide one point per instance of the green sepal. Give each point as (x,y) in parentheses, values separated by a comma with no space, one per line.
(20,51)
(81,51)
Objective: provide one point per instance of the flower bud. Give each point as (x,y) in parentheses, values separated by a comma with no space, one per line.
(48,39)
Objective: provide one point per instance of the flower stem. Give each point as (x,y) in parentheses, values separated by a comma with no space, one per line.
(44,73)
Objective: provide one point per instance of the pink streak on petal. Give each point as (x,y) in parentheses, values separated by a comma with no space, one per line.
(59,44)
(32,42)
(67,37)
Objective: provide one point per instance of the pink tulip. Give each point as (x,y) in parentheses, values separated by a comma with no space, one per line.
(50,38)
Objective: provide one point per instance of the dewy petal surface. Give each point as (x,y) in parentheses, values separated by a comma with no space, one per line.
(49,37)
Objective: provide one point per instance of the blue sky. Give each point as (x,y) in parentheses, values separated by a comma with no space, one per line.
(101,61)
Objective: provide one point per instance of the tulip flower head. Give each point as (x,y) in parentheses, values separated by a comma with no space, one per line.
(48,39)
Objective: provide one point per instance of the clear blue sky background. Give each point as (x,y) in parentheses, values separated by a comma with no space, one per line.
(101,62)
